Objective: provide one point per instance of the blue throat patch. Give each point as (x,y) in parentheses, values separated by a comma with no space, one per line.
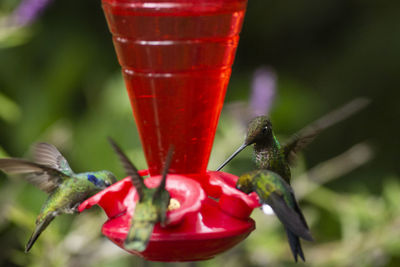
(93,179)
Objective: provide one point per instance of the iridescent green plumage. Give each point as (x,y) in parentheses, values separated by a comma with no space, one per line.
(275,192)
(271,155)
(267,149)
(271,181)
(152,205)
(50,172)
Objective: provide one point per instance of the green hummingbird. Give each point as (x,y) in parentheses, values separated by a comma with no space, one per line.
(152,205)
(271,155)
(272,190)
(51,173)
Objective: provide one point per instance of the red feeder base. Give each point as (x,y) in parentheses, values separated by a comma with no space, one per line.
(199,229)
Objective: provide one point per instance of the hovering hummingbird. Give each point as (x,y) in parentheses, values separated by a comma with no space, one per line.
(271,155)
(272,190)
(51,173)
(152,205)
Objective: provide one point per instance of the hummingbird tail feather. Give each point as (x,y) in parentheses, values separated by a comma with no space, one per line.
(295,245)
(38,230)
(139,236)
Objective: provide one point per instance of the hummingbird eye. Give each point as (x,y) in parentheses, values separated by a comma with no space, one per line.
(107,183)
(265,129)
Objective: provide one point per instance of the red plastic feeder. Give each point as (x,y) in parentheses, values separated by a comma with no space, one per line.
(176,57)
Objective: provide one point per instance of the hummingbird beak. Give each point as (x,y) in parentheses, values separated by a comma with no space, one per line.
(243,146)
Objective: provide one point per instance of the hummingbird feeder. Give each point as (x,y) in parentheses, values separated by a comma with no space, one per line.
(176,58)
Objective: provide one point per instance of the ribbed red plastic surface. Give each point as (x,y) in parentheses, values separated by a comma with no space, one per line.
(199,229)
(176,59)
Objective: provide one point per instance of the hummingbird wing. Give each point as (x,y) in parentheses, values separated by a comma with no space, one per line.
(290,217)
(44,177)
(161,186)
(47,154)
(296,143)
(305,136)
(161,193)
(130,169)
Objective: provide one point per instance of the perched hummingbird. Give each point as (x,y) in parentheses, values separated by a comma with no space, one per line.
(271,155)
(152,205)
(50,172)
(275,192)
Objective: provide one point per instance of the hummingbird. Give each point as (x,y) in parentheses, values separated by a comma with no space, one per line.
(271,155)
(51,173)
(152,205)
(272,190)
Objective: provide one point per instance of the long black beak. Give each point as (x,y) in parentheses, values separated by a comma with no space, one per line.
(232,156)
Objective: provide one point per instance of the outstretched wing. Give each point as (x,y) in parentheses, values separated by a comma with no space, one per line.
(48,155)
(290,218)
(161,186)
(296,143)
(130,169)
(161,195)
(305,136)
(42,176)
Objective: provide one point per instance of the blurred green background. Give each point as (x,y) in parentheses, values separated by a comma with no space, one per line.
(60,82)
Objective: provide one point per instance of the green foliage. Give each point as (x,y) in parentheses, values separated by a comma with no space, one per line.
(9,110)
